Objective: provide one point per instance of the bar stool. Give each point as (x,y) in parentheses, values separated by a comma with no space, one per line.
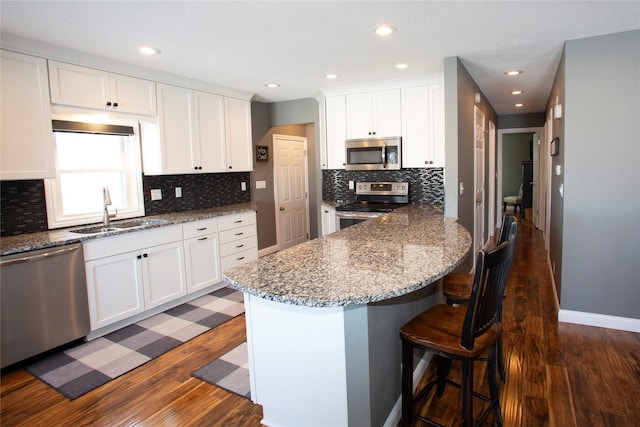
(456,287)
(460,333)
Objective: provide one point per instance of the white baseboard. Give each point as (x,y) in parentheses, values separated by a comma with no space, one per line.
(396,413)
(267,251)
(599,320)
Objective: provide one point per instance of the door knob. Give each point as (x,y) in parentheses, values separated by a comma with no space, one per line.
(281,208)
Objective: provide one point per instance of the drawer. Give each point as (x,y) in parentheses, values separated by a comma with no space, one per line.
(237,233)
(237,259)
(238,246)
(199,228)
(238,220)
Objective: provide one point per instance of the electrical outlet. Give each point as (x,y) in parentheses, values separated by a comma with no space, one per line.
(156,194)
(350,185)
(178,191)
(243,186)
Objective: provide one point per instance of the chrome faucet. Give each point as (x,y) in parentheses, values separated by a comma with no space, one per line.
(106,201)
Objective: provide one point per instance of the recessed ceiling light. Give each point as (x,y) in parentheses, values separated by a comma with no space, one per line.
(513,72)
(272,85)
(517,92)
(331,76)
(146,50)
(385,30)
(402,66)
(519,105)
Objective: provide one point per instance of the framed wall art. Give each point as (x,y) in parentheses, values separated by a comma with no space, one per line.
(262,153)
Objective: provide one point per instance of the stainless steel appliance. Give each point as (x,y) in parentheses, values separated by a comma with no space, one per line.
(373,153)
(44,301)
(372,200)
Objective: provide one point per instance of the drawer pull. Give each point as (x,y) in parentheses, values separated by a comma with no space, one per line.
(240,246)
(238,221)
(202,238)
(239,234)
(201,229)
(239,259)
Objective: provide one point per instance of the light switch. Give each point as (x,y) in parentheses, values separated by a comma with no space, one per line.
(156,194)
(261,184)
(461,188)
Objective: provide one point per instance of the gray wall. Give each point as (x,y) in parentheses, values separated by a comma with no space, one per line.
(514,121)
(459,130)
(515,149)
(296,118)
(601,236)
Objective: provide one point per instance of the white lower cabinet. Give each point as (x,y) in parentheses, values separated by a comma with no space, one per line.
(328,215)
(202,254)
(131,273)
(238,240)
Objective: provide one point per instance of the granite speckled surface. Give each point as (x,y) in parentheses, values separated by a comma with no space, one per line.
(379,259)
(53,238)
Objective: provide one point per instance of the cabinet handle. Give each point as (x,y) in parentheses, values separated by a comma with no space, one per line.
(230,167)
(139,257)
(239,246)
(238,221)
(239,259)
(239,234)
(202,238)
(201,229)
(145,255)
(115,105)
(108,103)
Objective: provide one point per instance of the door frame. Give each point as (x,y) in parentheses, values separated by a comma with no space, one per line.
(302,139)
(478,235)
(492,180)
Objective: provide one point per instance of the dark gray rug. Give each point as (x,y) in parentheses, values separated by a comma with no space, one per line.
(230,371)
(78,370)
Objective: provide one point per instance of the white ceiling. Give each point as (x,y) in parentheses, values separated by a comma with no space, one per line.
(246,44)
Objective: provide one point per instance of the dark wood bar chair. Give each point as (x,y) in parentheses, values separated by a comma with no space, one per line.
(460,333)
(456,287)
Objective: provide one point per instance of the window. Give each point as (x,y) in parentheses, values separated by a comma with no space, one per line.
(85,164)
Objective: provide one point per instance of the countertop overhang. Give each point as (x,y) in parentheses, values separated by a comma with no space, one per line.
(376,260)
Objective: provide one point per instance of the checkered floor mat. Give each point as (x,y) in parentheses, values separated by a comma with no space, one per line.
(78,370)
(230,371)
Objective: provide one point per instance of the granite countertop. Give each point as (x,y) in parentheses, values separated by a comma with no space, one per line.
(375,260)
(59,237)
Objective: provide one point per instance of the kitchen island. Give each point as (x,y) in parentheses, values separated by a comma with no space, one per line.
(323,316)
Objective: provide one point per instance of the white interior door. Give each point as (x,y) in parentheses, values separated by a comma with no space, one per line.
(291,187)
(492,180)
(536,179)
(479,183)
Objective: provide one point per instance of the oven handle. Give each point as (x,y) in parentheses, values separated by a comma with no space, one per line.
(358,215)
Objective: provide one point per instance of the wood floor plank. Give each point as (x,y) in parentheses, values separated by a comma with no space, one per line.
(558,374)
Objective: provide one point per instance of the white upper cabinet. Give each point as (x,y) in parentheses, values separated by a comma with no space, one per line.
(336,126)
(87,87)
(423,126)
(374,114)
(209,131)
(237,113)
(25,127)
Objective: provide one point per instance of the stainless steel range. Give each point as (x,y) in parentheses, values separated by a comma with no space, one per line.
(372,200)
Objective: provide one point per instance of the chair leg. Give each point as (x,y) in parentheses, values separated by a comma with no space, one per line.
(467,393)
(500,357)
(493,385)
(407,382)
(443,366)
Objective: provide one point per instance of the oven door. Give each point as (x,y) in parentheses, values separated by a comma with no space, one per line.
(346,219)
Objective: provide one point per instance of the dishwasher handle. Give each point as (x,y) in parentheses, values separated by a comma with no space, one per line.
(31,258)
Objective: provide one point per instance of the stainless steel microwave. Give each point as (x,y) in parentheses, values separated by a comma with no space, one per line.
(373,153)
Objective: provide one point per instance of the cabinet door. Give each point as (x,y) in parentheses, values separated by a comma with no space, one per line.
(25,125)
(416,152)
(359,116)
(163,274)
(386,113)
(238,135)
(78,86)
(328,215)
(209,131)
(175,118)
(436,124)
(114,286)
(133,95)
(336,115)
(202,261)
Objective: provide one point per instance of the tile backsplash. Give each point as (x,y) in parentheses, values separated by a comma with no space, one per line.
(23,208)
(426,185)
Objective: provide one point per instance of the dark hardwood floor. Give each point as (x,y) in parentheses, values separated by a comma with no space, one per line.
(557,374)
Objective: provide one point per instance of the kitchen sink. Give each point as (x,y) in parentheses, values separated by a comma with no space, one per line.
(117,226)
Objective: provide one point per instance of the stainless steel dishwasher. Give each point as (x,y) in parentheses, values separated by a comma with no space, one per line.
(44,301)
